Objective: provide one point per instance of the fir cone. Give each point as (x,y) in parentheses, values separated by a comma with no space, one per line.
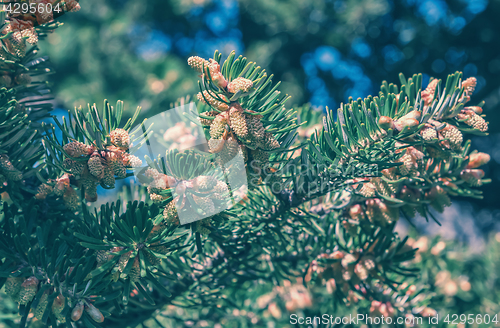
(42,305)
(478,159)
(229,151)
(454,135)
(151,258)
(216,145)
(77,149)
(260,158)
(256,127)
(239,84)
(43,191)
(170,214)
(102,257)
(71,199)
(120,138)
(406,124)
(122,262)
(472,119)
(108,177)
(428,133)
(219,80)
(28,290)
(221,190)
(8,170)
(115,162)
(90,186)
(156,198)
(95,166)
(62,184)
(428,93)
(238,122)
(408,165)
(16,45)
(386,123)
(207,122)
(131,160)
(197,63)
(222,106)
(13,287)
(470,85)
(94,313)
(269,142)
(77,312)
(157,229)
(75,167)
(213,67)
(31,34)
(57,308)
(218,127)
(135,272)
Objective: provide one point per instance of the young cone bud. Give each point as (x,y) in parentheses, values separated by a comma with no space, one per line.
(454,135)
(95,166)
(170,214)
(205,121)
(120,138)
(386,123)
(77,149)
(94,313)
(238,84)
(428,133)
(222,106)
(13,286)
(428,93)
(75,167)
(9,170)
(77,312)
(472,119)
(42,305)
(28,290)
(238,122)
(218,127)
(43,191)
(71,199)
(478,159)
(108,176)
(197,63)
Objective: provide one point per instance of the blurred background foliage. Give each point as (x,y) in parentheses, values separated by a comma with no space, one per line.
(322,50)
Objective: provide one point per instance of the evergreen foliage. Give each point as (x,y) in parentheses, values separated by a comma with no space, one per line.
(316,224)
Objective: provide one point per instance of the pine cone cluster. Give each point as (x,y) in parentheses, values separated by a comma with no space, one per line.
(21,290)
(346,269)
(92,167)
(60,187)
(439,139)
(202,195)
